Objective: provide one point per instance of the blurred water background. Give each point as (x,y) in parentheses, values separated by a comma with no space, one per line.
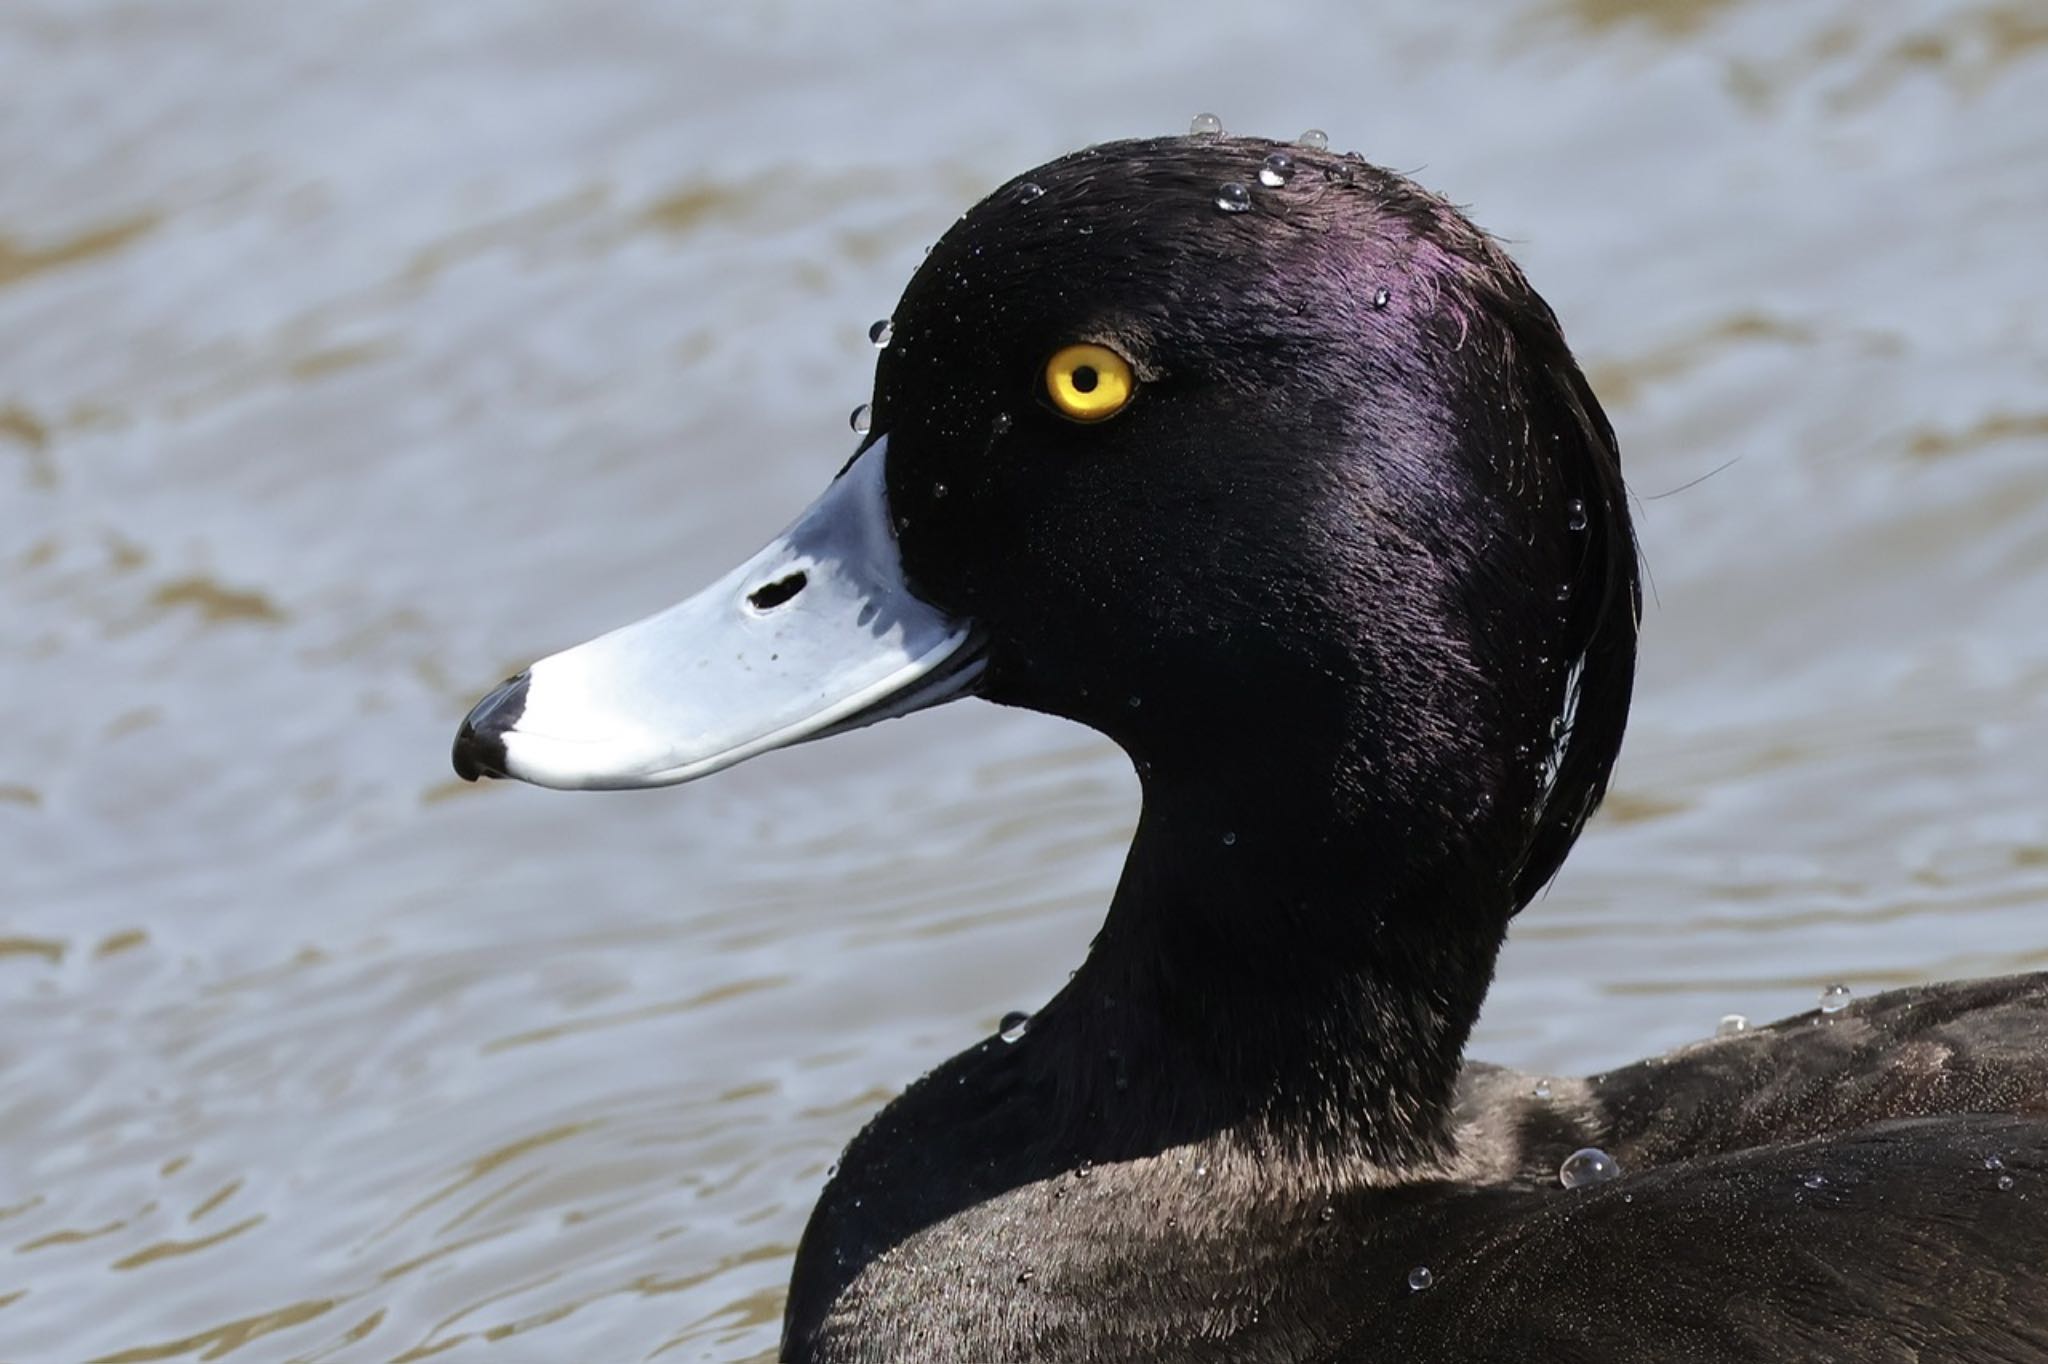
(353,354)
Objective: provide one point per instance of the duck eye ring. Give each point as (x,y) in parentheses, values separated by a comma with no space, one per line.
(1088,382)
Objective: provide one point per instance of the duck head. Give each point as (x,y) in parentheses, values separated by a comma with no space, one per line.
(1293,490)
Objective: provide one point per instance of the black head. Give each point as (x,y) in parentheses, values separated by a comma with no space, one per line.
(1361,524)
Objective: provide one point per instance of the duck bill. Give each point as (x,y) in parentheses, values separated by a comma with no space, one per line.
(816,634)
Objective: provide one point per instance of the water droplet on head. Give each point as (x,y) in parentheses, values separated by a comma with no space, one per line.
(1327,1213)
(1205,125)
(2005,1181)
(881,334)
(1315,139)
(1815,1180)
(1542,1090)
(1014,1025)
(938,490)
(1233,197)
(1585,1168)
(1994,1161)
(1420,1278)
(1029,190)
(1564,591)
(1135,702)
(1575,514)
(1730,1025)
(1229,839)
(1001,425)
(1834,998)
(1277,170)
(859,419)
(1380,298)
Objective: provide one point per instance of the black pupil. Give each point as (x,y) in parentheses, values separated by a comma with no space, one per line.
(1085,378)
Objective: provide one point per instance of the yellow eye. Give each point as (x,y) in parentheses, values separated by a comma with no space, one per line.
(1089,382)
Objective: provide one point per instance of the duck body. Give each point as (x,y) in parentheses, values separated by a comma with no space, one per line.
(1297,494)
(1853,1187)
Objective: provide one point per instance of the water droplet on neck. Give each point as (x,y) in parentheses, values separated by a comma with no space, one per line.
(1584,1168)
(1730,1025)
(1420,1278)
(1381,298)
(859,419)
(1277,170)
(1014,1025)
(1205,125)
(1542,1090)
(1315,139)
(1029,190)
(881,334)
(1575,514)
(1834,998)
(1233,197)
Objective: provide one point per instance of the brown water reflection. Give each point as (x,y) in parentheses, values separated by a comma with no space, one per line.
(352,355)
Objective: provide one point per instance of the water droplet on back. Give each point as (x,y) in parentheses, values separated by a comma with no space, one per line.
(1233,197)
(2005,1181)
(1585,1168)
(1277,170)
(1029,190)
(881,334)
(1229,839)
(1380,298)
(859,419)
(1205,125)
(1834,998)
(1994,1161)
(1014,1025)
(1815,1180)
(1730,1025)
(1542,1090)
(1315,139)
(1420,1278)
(1575,514)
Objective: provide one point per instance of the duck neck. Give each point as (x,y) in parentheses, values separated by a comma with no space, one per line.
(1275,973)
(1279,996)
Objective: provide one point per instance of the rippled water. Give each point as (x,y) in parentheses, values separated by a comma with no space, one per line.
(353,354)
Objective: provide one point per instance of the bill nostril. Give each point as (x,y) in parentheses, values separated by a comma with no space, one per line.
(776,593)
